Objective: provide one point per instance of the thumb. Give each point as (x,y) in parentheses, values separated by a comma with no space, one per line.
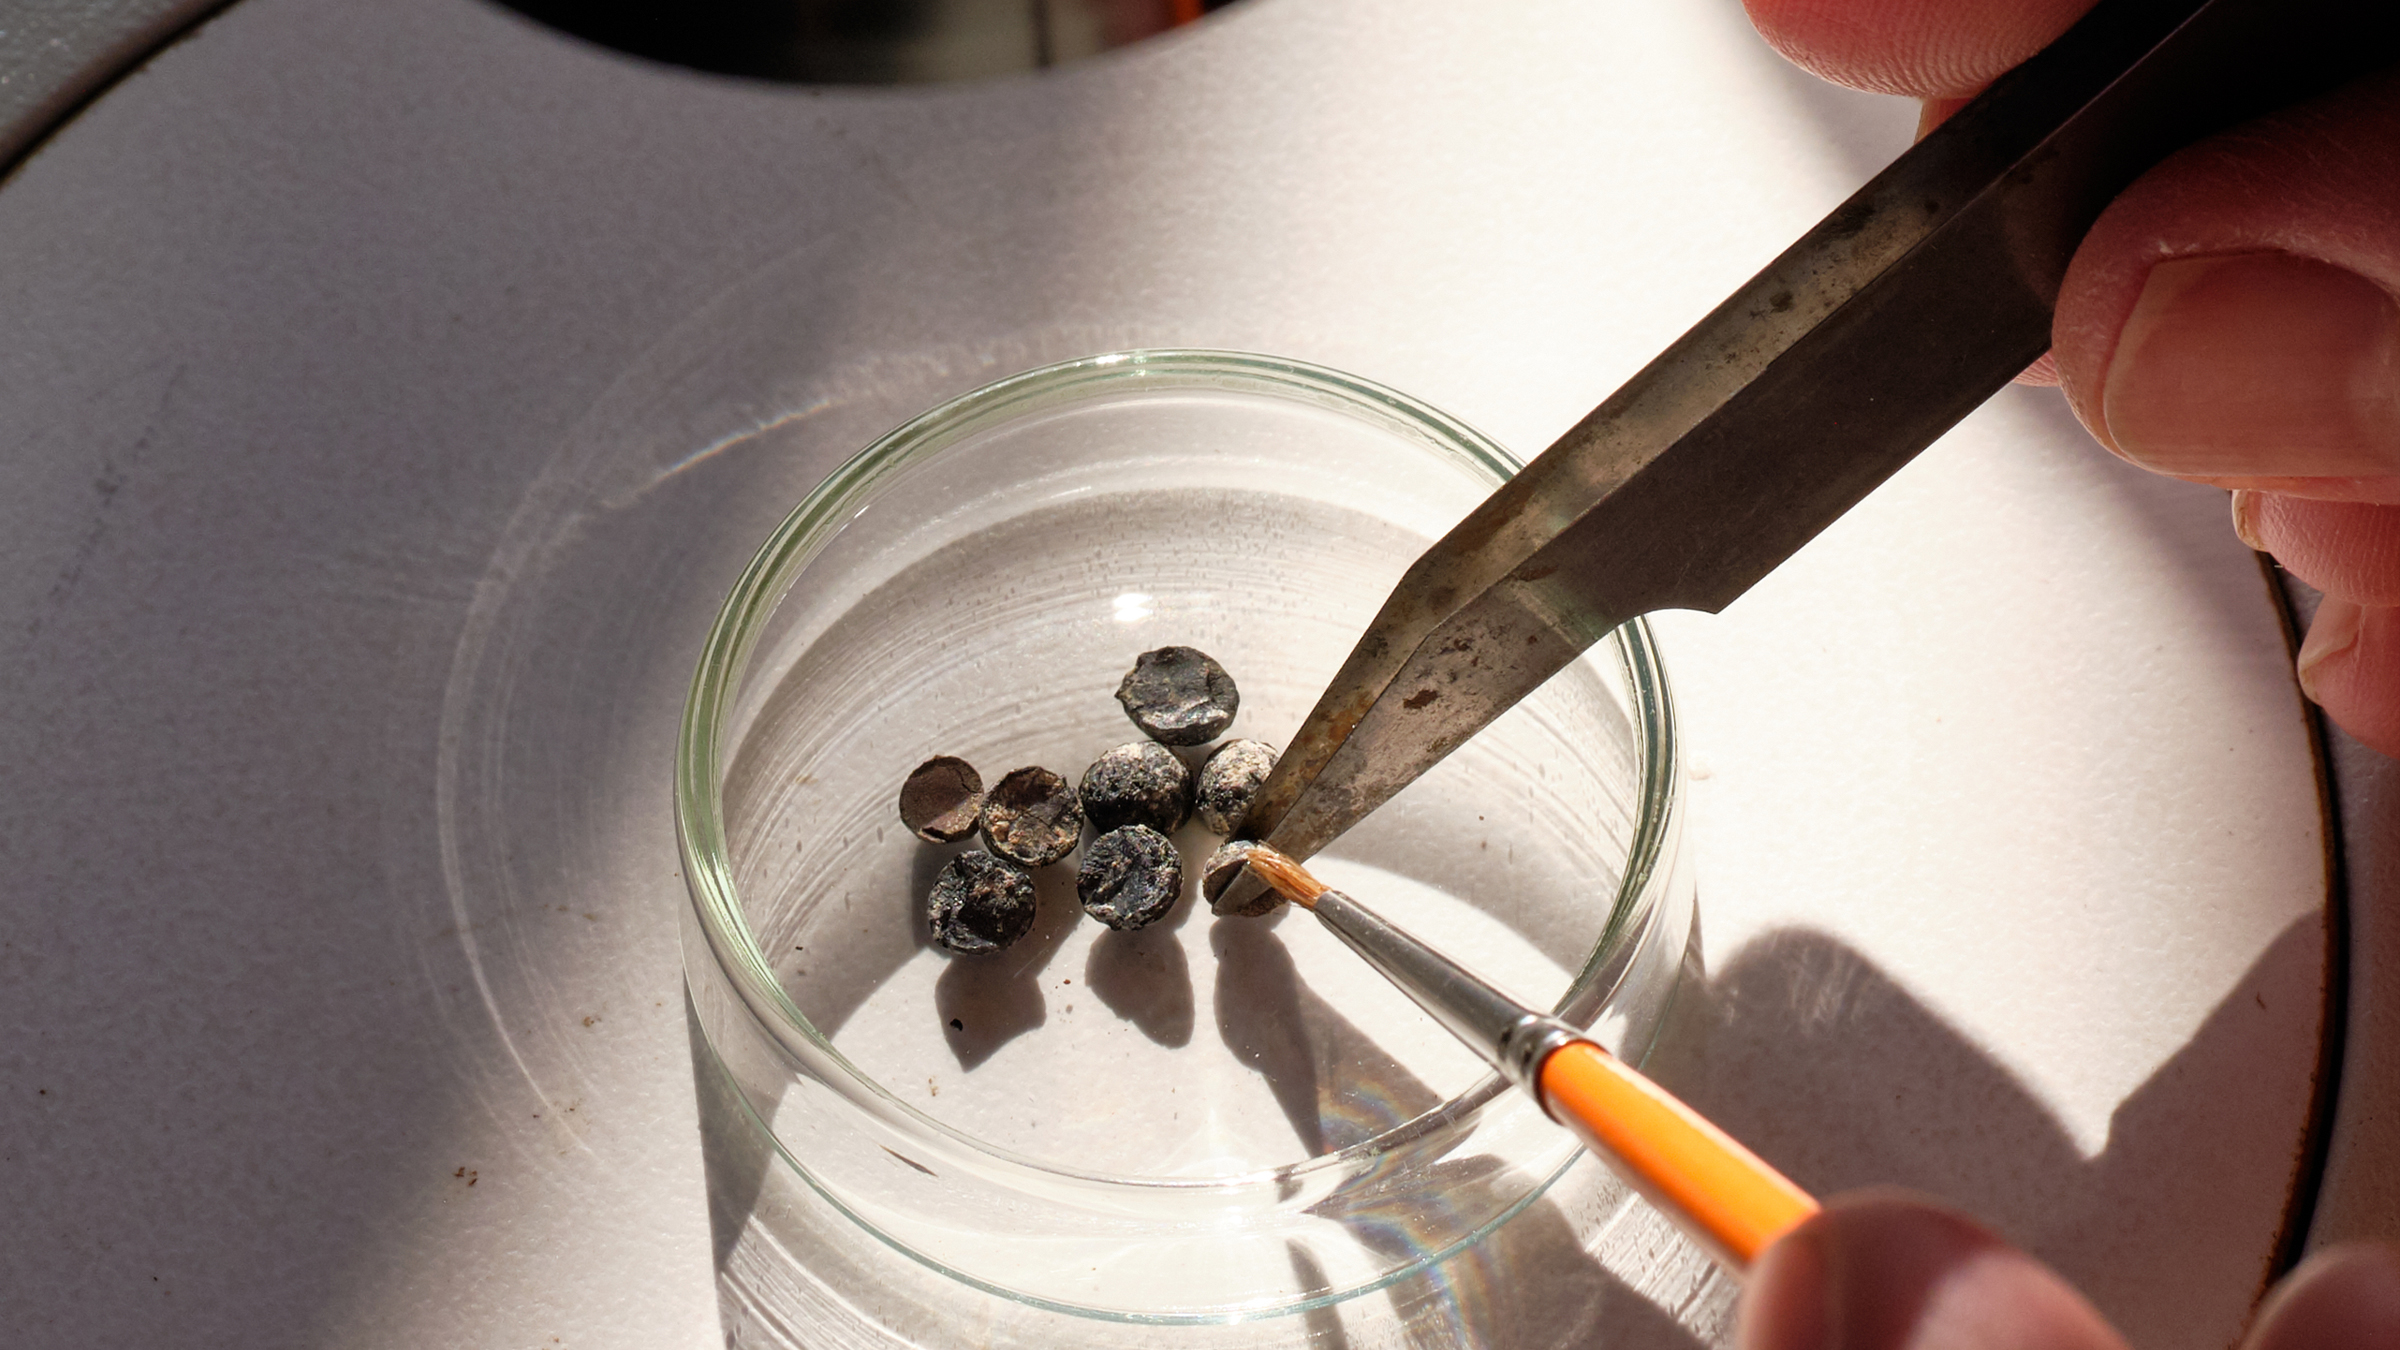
(2231,316)
(1887,1272)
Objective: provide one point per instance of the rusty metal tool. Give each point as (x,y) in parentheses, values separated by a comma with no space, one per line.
(1912,303)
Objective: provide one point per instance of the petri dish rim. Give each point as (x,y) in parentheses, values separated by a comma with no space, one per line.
(699,815)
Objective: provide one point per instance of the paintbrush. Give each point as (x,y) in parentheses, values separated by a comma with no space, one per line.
(1721,1194)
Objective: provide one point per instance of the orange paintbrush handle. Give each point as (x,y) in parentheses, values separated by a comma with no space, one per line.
(1695,1173)
(1718,1191)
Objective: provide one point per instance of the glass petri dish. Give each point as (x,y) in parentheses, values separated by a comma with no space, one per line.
(1206,1120)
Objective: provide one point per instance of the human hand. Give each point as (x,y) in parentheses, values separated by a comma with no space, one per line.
(1885,1272)
(2230,319)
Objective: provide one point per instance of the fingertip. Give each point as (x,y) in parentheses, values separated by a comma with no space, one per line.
(2348,550)
(1783,1305)
(2332,636)
(2042,374)
(1891,1272)
(1922,48)
(2343,1296)
(1857,1274)
(2239,251)
(2349,665)
(2255,362)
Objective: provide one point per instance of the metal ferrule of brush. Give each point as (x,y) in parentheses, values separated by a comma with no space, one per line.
(1514,1038)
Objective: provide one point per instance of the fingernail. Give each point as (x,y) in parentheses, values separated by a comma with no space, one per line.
(2257,364)
(2332,633)
(1935,111)
(2245,519)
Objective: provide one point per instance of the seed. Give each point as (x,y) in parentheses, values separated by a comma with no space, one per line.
(979,904)
(1142,783)
(1179,695)
(1032,817)
(1229,781)
(942,799)
(1223,866)
(1131,877)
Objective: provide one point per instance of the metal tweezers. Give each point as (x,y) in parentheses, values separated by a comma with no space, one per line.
(1898,314)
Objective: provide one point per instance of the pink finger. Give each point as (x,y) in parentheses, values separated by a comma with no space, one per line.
(1925,48)
(2346,1296)
(2345,549)
(2231,318)
(2263,362)
(1886,1272)
(2350,665)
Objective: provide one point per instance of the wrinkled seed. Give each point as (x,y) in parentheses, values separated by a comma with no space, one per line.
(1141,783)
(1230,781)
(1179,696)
(979,904)
(1031,817)
(1130,877)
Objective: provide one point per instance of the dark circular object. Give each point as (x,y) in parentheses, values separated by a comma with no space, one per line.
(1230,781)
(1130,878)
(1031,817)
(1179,696)
(1223,866)
(1141,783)
(942,800)
(979,904)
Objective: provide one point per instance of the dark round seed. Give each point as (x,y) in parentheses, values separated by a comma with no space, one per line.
(1230,781)
(979,904)
(1032,817)
(1179,695)
(1137,784)
(942,800)
(1130,877)
(1223,866)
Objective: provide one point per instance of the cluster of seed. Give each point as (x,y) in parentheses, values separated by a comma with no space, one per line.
(1135,796)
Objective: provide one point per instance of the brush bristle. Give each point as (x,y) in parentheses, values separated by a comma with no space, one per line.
(1290,879)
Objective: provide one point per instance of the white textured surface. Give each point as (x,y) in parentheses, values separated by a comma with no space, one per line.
(345,644)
